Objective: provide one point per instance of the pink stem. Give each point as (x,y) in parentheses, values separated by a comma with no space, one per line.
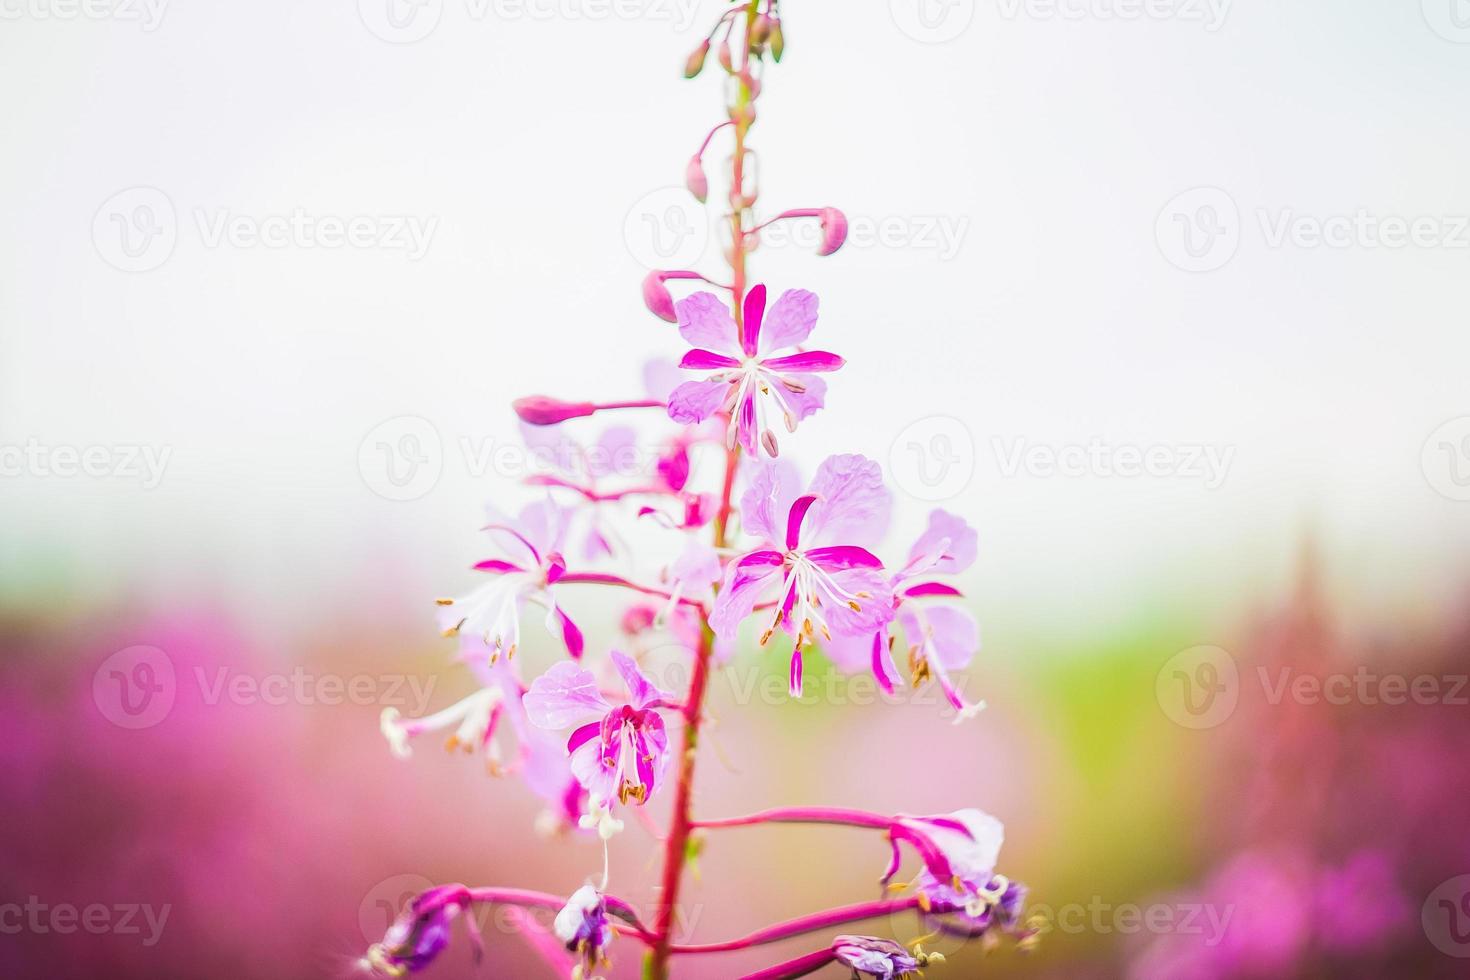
(805,814)
(794,213)
(807,923)
(799,967)
(604,578)
(645,403)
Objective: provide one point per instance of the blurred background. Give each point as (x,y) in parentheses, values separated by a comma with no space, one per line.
(1165,298)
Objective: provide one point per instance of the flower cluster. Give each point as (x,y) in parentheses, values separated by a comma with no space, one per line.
(742,548)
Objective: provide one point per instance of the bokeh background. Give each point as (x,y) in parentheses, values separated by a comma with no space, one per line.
(1230,234)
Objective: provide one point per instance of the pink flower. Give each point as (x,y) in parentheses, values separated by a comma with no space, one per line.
(824,587)
(748,381)
(940,638)
(616,752)
(532,545)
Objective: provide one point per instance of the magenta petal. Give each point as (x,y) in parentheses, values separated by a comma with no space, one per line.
(582,735)
(932,588)
(883,668)
(570,634)
(806,361)
(497,565)
(695,401)
(794,518)
(556,567)
(755,308)
(746,429)
(843,556)
(699,359)
(759,558)
(796,670)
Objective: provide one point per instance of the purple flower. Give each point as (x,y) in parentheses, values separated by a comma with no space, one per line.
(880,958)
(748,382)
(420,932)
(616,752)
(959,851)
(940,638)
(582,925)
(532,564)
(824,587)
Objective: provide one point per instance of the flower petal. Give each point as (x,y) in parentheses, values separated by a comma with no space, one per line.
(855,504)
(695,401)
(699,359)
(837,557)
(794,518)
(875,602)
(954,635)
(641,691)
(570,634)
(755,309)
(705,321)
(768,499)
(742,589)
(806,361)
(947,546)
(564,696)
(789,321)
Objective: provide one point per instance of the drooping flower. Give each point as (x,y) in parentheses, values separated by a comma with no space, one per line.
(825,587)
(940,638)
(474,720)
(421,932)
(750,380)
(883,959)
(959,851)
(532,545)
(582,925)
(617,753)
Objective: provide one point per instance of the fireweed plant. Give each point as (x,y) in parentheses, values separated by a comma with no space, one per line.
(594,736)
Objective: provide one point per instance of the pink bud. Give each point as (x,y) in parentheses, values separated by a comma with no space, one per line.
(760,30)
(834,231)
(657,298)
(751,82)
(726,62)
(695,64)
(695,179)
(541,410)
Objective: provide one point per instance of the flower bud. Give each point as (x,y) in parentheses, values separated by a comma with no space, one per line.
(726,61)
(695,64)
(834,230)
(657,298)
(695,179)
(778,40)
(760,30)
(541,410)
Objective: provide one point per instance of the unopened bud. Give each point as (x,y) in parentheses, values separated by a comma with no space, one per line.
(695,64)
(778,40)
(695,180)
(760,30)
(542,410)
(726,61)
(657,298)
(834,231)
